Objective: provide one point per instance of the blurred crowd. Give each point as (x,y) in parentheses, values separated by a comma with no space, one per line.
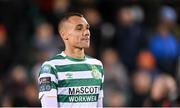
(137,41)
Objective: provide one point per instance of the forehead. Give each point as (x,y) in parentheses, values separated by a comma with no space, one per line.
(77,20)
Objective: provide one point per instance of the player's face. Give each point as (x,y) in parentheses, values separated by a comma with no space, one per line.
(78,34)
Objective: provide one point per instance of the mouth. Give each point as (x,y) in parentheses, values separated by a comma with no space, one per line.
(86,39)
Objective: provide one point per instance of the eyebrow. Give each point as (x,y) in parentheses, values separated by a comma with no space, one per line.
(80,25)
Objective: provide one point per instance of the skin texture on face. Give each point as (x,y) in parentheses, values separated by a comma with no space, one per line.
(75,33)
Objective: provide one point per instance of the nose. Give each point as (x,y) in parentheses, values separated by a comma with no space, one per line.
(86,33)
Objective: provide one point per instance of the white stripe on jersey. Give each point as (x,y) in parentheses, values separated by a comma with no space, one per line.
(78,105)
(62,62)
(101,94)
(75,75)
(52,92)
(65,90)
(48,63)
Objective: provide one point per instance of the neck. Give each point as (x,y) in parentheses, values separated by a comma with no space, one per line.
(77,53)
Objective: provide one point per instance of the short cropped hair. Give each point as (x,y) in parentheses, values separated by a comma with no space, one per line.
(67,16)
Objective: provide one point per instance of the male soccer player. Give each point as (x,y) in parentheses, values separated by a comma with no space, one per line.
(72,79)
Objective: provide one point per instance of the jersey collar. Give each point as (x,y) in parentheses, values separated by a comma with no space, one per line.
(72,59)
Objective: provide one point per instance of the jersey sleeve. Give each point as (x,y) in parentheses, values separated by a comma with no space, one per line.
(48,82)
(101,94)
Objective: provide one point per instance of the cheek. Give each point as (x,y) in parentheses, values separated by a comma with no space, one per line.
(75,39)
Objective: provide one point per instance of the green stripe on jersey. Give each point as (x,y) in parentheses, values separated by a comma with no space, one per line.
(79,82)
(78,98)
(54,85)
(56,57)
(75,59)
(77,67)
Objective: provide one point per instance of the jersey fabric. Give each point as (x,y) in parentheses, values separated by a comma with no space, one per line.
(75,82)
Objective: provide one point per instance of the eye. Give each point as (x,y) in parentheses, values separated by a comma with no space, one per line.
(79,27)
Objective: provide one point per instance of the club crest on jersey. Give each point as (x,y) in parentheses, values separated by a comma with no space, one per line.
(95,72)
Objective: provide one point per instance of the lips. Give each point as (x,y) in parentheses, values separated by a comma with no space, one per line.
(85,39)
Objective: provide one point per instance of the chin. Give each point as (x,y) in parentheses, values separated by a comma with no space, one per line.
(86,46)
(83,45)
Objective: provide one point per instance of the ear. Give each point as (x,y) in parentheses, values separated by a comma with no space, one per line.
(64,35)
(62,32)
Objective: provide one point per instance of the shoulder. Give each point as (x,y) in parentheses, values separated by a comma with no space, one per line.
(52,61)
(94,60)
(58,56)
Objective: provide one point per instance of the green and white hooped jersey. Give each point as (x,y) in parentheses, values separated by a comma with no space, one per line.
(75,82)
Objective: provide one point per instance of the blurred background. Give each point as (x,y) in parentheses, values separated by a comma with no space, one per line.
(138,42)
